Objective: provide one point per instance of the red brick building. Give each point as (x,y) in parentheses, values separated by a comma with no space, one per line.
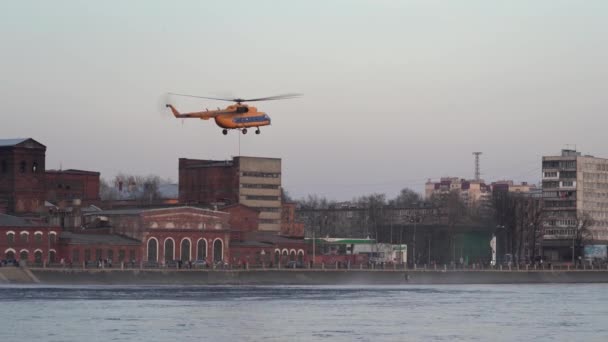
(21,239)
(67,185)
(25,184)
(289,225)
(256,248)
(22,177)
(252,181)
(168,234)
(90,247)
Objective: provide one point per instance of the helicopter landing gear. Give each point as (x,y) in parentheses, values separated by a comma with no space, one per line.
(244,130)
(257,131)
(225,132)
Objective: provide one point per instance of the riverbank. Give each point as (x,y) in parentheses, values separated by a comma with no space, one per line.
(291,277)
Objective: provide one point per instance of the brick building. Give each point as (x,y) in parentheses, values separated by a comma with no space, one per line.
(25,184)
(167,234)
(21,239)
(67,185)
(252,181)
(22,177)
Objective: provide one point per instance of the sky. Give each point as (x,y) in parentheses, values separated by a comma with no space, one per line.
(394,92)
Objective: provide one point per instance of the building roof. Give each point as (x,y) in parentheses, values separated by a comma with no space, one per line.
(12,142)
(74,172)
(250,244)
(137,211)
(268,237)
(14,221)
(233,205)
(168,191)
(98,239)
(16,141)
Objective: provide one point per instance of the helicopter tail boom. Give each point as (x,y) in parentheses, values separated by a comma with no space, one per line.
(205,115)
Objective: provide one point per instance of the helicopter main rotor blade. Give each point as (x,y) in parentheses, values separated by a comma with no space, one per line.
(203,97)
(239,100)
(271,98)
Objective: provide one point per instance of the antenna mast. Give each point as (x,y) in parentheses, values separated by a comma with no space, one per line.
(477,172)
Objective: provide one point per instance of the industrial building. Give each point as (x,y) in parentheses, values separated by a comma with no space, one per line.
(252,181)
(25,184)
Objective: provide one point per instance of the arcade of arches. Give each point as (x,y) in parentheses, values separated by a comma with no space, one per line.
(163,250)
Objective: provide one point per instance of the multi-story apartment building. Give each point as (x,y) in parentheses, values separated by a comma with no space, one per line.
(252,181)
(472,192)
(574,186)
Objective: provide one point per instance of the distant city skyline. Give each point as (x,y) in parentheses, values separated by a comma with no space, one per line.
(395,92)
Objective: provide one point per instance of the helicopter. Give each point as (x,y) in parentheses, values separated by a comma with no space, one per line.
(238,116)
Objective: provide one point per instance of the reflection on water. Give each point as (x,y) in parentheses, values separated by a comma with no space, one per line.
(283,313)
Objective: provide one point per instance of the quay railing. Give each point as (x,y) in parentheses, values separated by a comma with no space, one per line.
(292,266)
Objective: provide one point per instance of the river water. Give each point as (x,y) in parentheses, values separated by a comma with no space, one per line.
(577,312)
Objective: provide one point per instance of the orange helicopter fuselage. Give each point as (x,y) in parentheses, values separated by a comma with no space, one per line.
(246,117)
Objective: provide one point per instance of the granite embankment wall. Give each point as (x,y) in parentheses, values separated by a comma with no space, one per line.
(293,277)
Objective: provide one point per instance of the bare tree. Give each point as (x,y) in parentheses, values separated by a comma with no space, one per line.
(135,187)
(406,198)
(582,234)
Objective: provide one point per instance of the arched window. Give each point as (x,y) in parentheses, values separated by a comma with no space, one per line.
(38,237)
(201,249)
(185,250)
(38,256)
(218,250)
(10,254)
(52,256)
(277,256)
(292,255)
(301,256)
(24,237)
(23,255)
(10,237)
(52,237)
(152,249)
(169,249)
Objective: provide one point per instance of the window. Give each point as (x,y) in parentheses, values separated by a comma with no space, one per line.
(567,183)
(35,167)
(22,166)
(550,174)
(550,164)
(76,255)
(52,237)
(268,209)
(260,186)
(24,237)
(38,237)
(10,237)
(262,198)
(567,174)
(270,221)
(261,174)
(549,185)
(121,255)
